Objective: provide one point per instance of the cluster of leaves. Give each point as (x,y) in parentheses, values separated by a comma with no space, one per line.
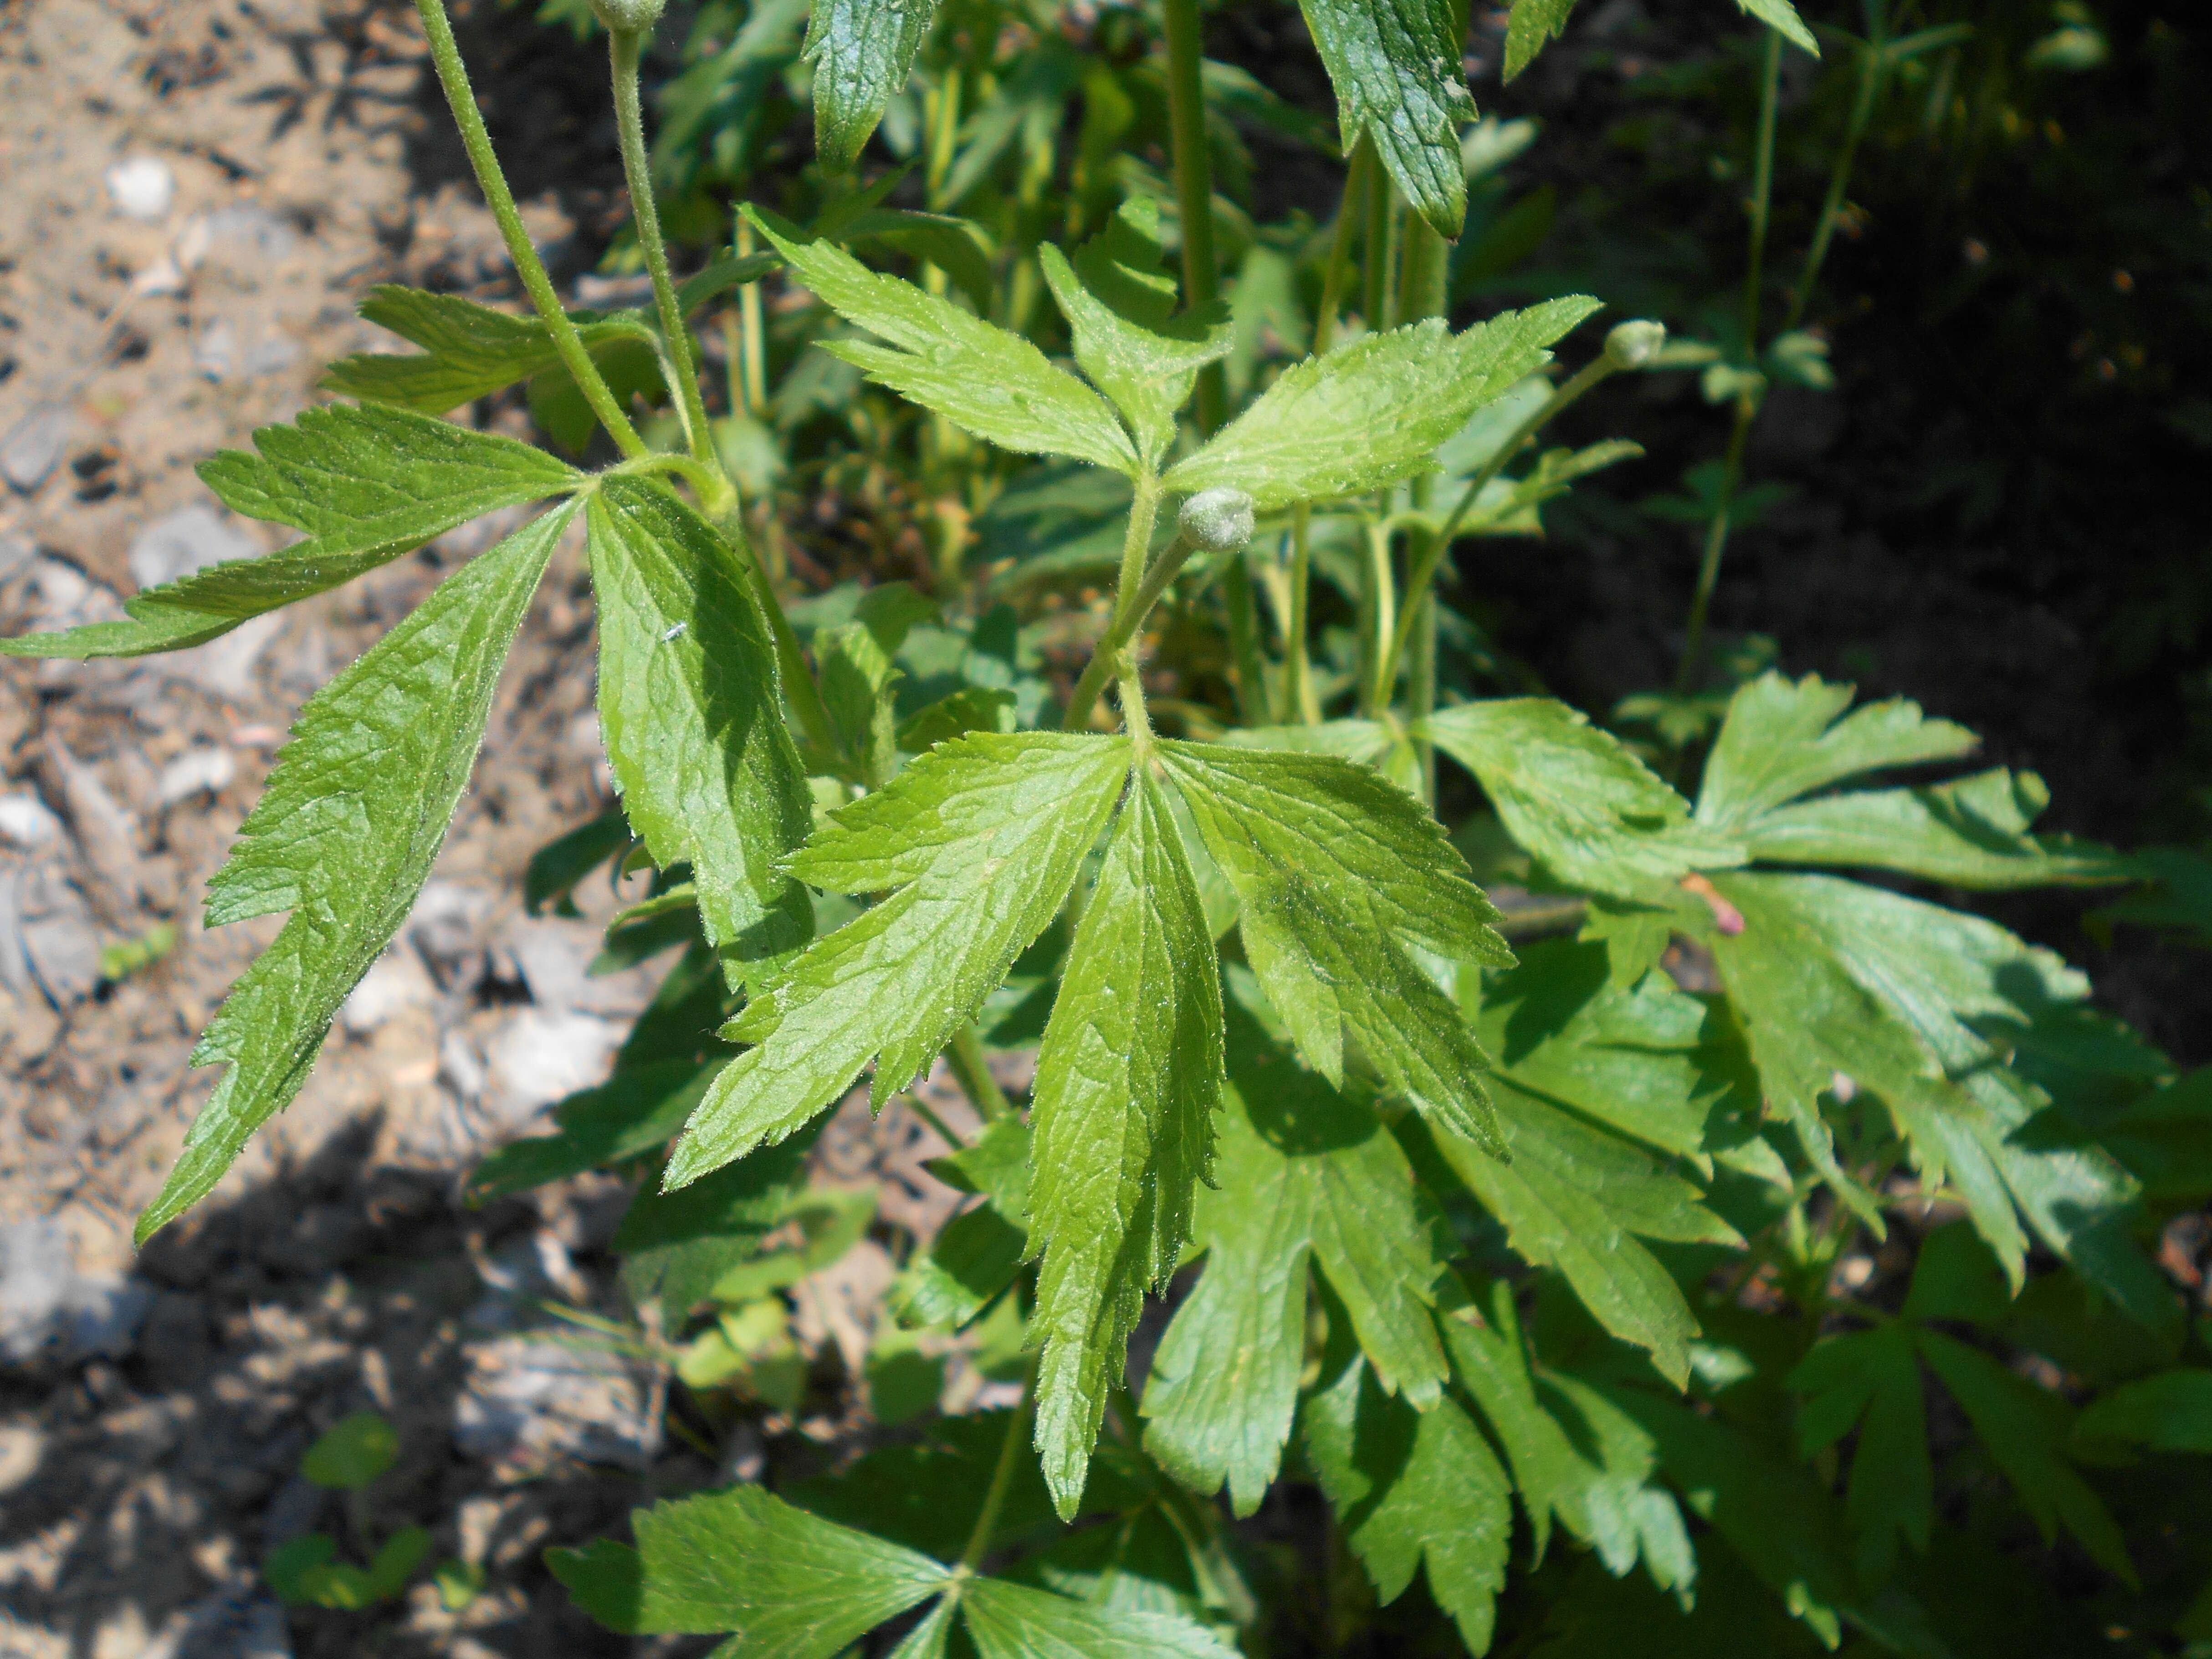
(1600,1215)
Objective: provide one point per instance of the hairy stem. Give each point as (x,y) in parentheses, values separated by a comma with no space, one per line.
(1002,1477)
(1874,60)
(1193,178)
(1136,542)
(1693,666)
(1423,574)
(626,47)
(971,1069)
(756,339)
(1421,294)
(1299,702)
(453,78)
(1762,186)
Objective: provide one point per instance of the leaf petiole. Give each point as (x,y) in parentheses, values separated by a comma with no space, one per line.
(453,79)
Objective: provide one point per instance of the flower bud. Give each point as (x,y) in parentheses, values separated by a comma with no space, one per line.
(1217,520)
(628,17)
(1633,345)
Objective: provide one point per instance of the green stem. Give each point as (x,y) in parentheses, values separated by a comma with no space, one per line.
(1380,250)
(1245,639)
(971,1069)
(1136,542)
(1873,61)
(1002,1477)
(922,1110)
(1380,623)
(1421,295)
(1762,186)
(1193,177)
(1431,554)
(749,313)
(626,47)
(453,78)
(1709,567)
(1299,701)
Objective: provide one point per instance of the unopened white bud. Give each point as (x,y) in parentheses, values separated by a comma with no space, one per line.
(1633,345)
(1218,520)
(628,17)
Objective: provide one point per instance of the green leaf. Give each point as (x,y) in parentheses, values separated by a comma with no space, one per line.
(1010,1621)
(1785,1527)
(982,839)
(342,838)
(1957,1277)
(395,1561)
(366,485)
(1532,23)
(1372,412)
(1574,798)
(977,1254)
(862,51)
(631,1113)
(1783,740)
(1148,372)
(2024,1430)
(796,1586)
(972,709)
(352,1452)
(678,1246)
(1127,1080)
(2169,1412)
(1576,1198)
(1872,1378)
(858,686)
(1300,1173)
(1574,1454)
(1414,1489)
(1970,833)
(555,868)
(992,383)
(1917,1003)
(693,725)
(1780,16)
(1341,880)
(469,350)
(1633,1058)
(1396,69)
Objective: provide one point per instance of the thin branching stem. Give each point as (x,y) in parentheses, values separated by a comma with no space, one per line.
(453,78)
(1136,542)
(1874,62)
(1002,1477)
(971,1069)
(626,47)
(1194,180)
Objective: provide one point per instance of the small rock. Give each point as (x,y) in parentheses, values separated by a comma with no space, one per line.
(214,349)
(532,1402)
(190,538)
(224,666)
(241,238)
(107,831)
(271,355)
(458,1064)
(25,822)
(62,596)
(395,981)
(445,927)
(205,769)
(545,1055)
(63,948)
(296,1509)
(16,552)
(34,445)
(553,957)
(49,1311)
(141,187)
(163,276)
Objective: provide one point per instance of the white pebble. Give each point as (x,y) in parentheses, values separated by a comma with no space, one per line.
(25,822)
(205,769)
(141,187)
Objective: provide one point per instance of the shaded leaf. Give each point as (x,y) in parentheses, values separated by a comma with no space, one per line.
(862,51)
(1010,1621)
(1396,69)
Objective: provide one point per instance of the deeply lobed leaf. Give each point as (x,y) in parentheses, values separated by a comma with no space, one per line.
(1396,68)
(344,837)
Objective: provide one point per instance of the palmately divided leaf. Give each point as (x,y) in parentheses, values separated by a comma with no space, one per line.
(982,838)
(1012,1621)
(1414,1489)
(1397,69)
(366,485)
(1783,738)
(1574,1454)
(1972,833)
(469,350)
(342,838)
(1574,798)
(2024,1429)
(862,51)
(1577,1200)
(1301,1173)
(1872,1378)
(993,383)
(1127,1081)
(1920,1004)
(796,1586)
(693,722)
(1341,879)
(1148,372)
(1374,411)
